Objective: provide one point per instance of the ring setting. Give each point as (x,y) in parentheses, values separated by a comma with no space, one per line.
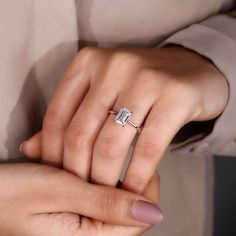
(123,117)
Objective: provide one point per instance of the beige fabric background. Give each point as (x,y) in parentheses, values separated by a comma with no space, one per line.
(186,196)
(38,38)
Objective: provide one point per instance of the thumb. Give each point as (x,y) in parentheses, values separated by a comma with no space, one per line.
(64,192)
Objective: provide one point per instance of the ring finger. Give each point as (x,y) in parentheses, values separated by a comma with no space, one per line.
(114,140)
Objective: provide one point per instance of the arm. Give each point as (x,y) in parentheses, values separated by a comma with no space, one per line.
(214,38)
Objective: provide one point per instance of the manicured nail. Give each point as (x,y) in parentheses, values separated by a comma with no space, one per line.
(146,212)
(21,147)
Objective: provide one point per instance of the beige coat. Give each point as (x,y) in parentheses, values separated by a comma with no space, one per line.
(38,38)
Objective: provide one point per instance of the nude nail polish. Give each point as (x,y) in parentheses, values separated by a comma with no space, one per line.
(21,147)
(146,212)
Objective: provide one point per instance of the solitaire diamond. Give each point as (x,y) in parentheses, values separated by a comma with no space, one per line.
(123,116)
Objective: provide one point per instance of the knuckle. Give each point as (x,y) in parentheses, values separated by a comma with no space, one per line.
(88,55)
(87,52)
(53,121)
(123,59)
(109,147)
(75,138)
(119,62)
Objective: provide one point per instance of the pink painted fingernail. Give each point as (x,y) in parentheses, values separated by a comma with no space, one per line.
(146,212)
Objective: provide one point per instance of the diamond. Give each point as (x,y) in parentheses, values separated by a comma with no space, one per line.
(123,116)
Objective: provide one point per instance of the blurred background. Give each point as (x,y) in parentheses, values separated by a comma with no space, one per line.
(219,195)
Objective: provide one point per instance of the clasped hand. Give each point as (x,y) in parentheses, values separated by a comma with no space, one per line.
(163,88)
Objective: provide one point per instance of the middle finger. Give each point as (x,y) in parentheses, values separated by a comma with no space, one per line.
(114,140)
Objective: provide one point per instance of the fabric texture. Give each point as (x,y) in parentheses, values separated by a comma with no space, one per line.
(39,38)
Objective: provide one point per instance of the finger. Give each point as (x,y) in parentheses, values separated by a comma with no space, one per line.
(152,190)
(161,125)
(32,148)
(111,205)
(54,223)
(63,105)
(84,127)
(114,140)
(64,192)
(152,193)
(108,80)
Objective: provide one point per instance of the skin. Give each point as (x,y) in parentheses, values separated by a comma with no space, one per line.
(164,88)
(38,200)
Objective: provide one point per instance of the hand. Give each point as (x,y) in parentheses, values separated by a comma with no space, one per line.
(164,88)
(37,200)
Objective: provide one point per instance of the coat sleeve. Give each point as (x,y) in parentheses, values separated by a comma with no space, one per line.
(214,38)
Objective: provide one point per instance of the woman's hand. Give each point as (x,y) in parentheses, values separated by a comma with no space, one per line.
(38,200)
(163,88)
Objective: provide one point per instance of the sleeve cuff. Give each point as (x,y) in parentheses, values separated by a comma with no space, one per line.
(214,38)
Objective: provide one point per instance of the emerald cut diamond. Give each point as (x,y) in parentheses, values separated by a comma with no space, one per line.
(123,116)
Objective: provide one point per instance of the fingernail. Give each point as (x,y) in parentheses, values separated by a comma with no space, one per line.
(146,212)
(21,147)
